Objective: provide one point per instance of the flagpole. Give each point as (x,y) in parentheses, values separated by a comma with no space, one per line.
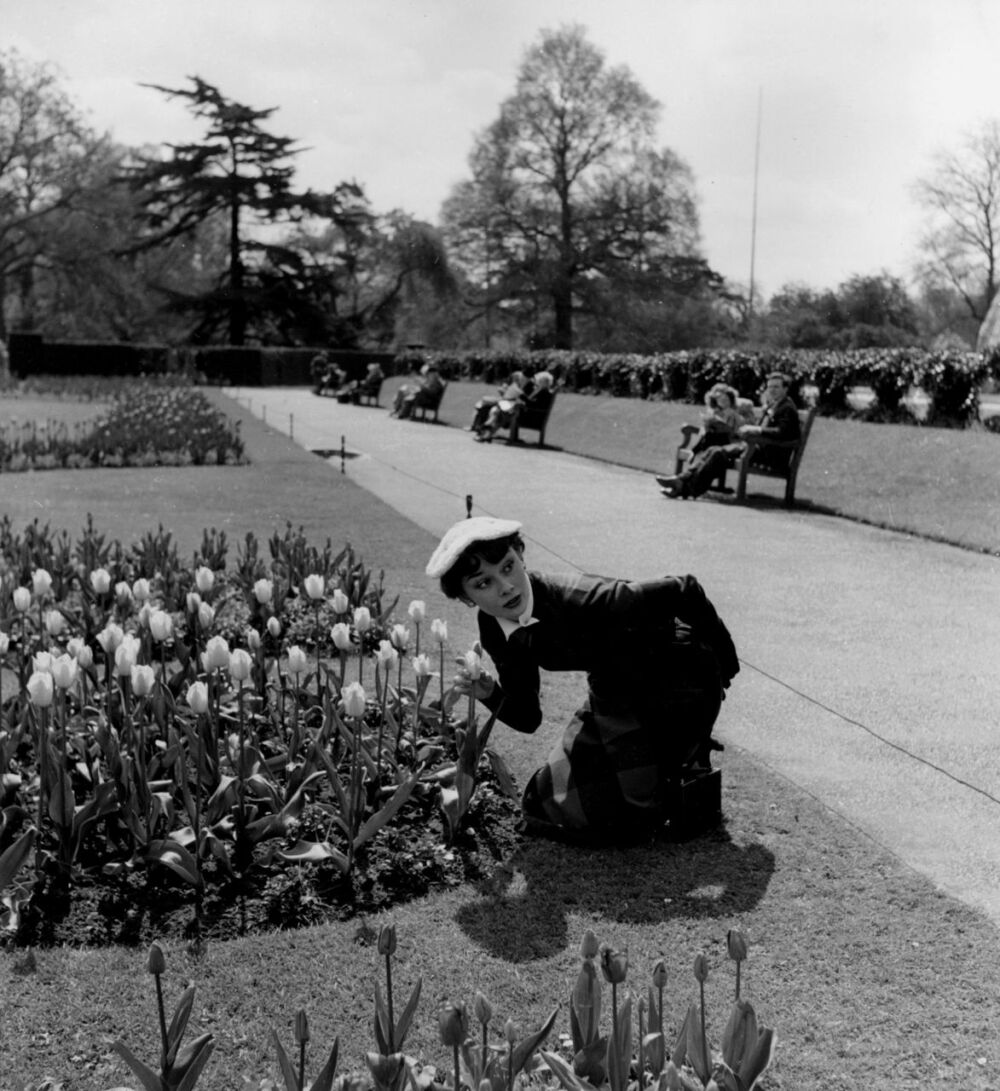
(753,222)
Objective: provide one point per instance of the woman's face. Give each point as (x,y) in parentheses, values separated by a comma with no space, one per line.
(499,589)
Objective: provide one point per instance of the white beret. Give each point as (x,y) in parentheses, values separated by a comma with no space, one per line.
(457,539)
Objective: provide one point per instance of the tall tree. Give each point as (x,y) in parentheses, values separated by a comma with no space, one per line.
(240,170)
(961,243)
(567,188)
(50,163)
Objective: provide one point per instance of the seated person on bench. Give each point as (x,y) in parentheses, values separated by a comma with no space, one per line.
(658,660)
(514,388)
(506,411)
(426,392)
(779,420)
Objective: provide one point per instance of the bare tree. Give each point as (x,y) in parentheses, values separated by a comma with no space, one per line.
(962,237)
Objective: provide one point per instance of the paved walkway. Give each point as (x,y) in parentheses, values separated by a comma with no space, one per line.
(870,658)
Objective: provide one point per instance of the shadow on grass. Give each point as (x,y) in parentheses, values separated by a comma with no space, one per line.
(523,913)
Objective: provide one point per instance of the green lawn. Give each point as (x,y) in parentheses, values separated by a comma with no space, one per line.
(873,979)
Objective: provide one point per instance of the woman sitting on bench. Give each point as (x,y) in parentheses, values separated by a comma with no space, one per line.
(658,660)
(506,411)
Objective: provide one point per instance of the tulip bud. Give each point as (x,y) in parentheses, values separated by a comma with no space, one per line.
(41,582)
(481,1009)
(140,590)
(274,627)
(473,664)
(156,963)
(64,671)
(161,625)
(386,655)
(123,594)
(22,599)
(42,661)
(204,579)
(341,636)
(84,656)
(355,702)
(301,1026)
(400,637)
(40,689)
(314,586)
(253,640)
(4,643)
(341,603)
(660,974)
(216,654)
(298,661)
(701,969)
(206,615)
(192,601)
(511,1032)
(197,697)
(362,619)
(263,591)
(439,630)
(240,665)
(145,613)
(110,637)
(126,656)
(417,611)
(387,939)
(143,679)
(55,623)
(589,945)
(421,666)
(736,945)
(100,581)
(614,965)
(453,1024)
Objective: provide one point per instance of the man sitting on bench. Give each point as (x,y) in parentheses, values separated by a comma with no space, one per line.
(779,421)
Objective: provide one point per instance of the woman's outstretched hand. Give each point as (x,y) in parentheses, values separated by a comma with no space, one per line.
(472,678)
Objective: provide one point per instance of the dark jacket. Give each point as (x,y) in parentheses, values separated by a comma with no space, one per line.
(778,422)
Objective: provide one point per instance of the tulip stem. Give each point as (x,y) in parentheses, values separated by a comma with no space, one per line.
(455,1055)
(388,993)
(738,963)
(163,1021)
(704,1037)
(302,1065)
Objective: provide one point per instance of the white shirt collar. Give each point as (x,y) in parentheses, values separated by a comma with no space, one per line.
(509,626)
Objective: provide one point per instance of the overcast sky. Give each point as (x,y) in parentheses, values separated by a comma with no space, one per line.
(856,96)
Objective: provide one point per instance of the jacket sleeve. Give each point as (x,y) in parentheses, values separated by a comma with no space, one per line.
(516,697)
(784,425)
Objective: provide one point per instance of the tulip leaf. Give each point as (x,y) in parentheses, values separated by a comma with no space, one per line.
(385,815)
(502,773)
(564,1074)
(757,1059)
(403,1022)
(314,852)
(191,1060)
(14,856)
(287,1069)
(175,857)
(324,1081)
(527,1045)
(150,1080)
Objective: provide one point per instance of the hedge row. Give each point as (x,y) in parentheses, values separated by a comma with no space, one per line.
(952,380)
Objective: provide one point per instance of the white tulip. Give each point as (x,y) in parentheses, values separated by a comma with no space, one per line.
(100,581)
(263,591)
(341,603)
(143,679)
(40,690)
(41,581)
(240,665)
(22,599)
(204,579)
(314,586)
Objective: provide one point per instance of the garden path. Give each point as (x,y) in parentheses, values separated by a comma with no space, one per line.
(869,657)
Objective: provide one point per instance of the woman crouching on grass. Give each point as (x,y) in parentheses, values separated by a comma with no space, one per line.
(658,660)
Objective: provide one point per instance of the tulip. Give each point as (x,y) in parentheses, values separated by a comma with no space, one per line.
(41,582)
(110,637)
(362,619)
(161,625)
(385,1069)
(42,661)
(314,586)
(253,640)
(660,975)
(145,613)
(4,643)
(84,656)
(701,969)
(453,1025)
(421,666)
(341,603)
(240,665)
(263,591)
(204,579)
(55,623)
(473,664)
(22,599)
(355,701)
(481,1009)
(197,697)
(206,615)
(123,594)
(298,661)
(387,939)
(736,945)
(156,963)
(143,679)
(216,654)
(141,590)
(64,671)
(301,1026)
(439,630)
(614,965)
(400,637)
(192,601)
(126,655)
(274,627)
(100,581)
(40,689)
(511,1032)
(417,611)
(589,946)
(386,655)
(341,636)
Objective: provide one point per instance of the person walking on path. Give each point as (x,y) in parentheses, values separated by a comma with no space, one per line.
(658,659)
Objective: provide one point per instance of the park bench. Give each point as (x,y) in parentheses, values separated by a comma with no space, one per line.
(368,391)
(745,465)
(535,418)
(426,403)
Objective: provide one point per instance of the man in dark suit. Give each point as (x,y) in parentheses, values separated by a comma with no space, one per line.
(779,421)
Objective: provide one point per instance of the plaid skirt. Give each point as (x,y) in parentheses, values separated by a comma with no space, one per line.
(611,771)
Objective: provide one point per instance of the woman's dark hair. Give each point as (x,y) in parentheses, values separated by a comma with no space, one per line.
(472,559)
